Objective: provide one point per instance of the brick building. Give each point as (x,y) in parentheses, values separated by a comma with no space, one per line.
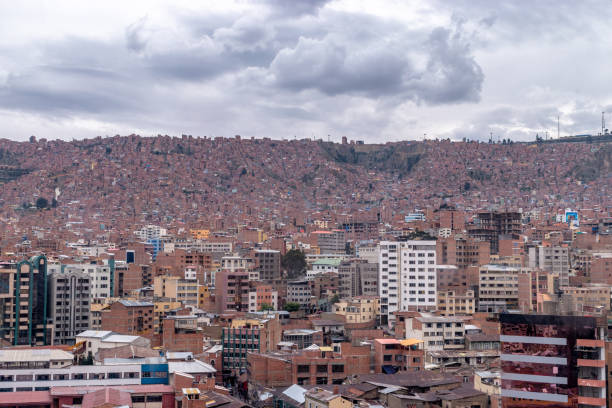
(246,336)
(392,355)
(232,291)
(131,317)
(181,333)
(311,366)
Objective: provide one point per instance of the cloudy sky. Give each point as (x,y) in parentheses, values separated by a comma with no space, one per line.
(375,70)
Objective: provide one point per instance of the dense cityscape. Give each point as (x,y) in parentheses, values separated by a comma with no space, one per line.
(231,272)
(305,204)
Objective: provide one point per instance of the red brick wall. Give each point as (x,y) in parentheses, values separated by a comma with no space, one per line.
(173,341)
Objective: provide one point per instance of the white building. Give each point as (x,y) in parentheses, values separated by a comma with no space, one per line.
(437,333)
(553,259)
(369,252)
(99,277)
(97,339)
(324,265)
(149,232)
(407,277)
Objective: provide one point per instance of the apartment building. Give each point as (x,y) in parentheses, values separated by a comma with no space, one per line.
(407,277)
(267,263)
(300,291)
(330,242)
(585,299)
(324,265)
(149,232)
(263,296)
(498,288)
(455,302)
(176,289)
(235,263)
(552,259)
(357,277)
(437,333)
(392,356)
(463,251)
(246,336)
(358,309)
(232,291)
(130,317)
(100,278)
(24,315)
(489,226)
(69,305)
(552,361)
(311,366)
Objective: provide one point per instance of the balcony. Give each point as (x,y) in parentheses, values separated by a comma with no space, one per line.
(591,363)
(583,382)
(592,401)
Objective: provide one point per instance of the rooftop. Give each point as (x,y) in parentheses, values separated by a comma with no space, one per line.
(95,334)
(26,355)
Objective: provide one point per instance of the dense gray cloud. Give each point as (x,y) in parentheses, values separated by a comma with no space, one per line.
(277,68)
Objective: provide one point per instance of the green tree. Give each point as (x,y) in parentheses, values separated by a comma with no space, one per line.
(294,262)
(265,307)
(292,307)
(86,360)
(42,203)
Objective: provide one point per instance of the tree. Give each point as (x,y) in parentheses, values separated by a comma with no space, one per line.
(335,299)
(292,307)
(294,262)
(265,307)
(86,360)
(42,203)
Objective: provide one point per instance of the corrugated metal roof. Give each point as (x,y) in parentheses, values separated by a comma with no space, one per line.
(296,393)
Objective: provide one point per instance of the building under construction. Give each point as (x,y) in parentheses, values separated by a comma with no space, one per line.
(489,226)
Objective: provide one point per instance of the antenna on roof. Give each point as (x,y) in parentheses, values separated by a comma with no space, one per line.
(603,122)
(558,128)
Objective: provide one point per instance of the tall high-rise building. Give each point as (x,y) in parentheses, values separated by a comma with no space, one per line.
(407,277)
(99,277)
(552,361)
(23,302)
(69,305)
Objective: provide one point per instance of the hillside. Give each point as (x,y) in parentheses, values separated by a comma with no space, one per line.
(191,179)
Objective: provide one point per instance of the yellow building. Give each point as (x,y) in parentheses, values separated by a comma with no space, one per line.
(320,398)
(203,297)
(451,303)
(160,310)
(321,224)
(359,309)
(95,310)
(200,233)
(176,289)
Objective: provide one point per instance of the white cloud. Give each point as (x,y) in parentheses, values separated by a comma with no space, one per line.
(388,70)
